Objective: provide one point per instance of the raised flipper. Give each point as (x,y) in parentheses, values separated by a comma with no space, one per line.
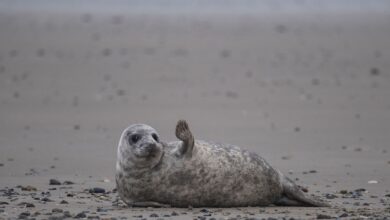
(294,196)
(184,134)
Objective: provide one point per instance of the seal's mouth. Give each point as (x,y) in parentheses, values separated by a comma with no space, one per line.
(149,151)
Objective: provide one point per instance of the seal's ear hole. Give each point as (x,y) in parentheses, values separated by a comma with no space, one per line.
(155,137)
(134,138)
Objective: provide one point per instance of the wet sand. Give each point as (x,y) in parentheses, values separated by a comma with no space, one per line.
(308,91)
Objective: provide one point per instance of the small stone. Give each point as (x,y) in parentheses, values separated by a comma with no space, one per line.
(204,210)
(120,92)
(25,214)
(100,209)
(28,188)
(372,182)
(1,164)
(54,182)
(64,202)
(343,191)
(330,196)
(46,200)
(81,215)
(67,214)
(26,204)
(4,203)
(313,171)
(374,71)
(225,53)
(315,81)
(343,215)
(174,213)
(154,215)
(322,216)
(106,52)
(360,190)
(67,182)
(57,210)
(231,94)
(97,190)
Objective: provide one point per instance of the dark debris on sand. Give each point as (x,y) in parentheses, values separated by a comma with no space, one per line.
(97,203)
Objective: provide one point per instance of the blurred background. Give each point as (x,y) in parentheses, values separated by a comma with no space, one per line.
(306,84)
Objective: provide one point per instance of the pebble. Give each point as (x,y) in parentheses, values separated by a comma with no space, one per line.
(57,210)
(174,213)
(25,214)
(330,196)
(26,204)
(81,215)
(100,209)
(97,190)
(154,215)
(343,215)
(322,216)
(67,182)
(343,191)
(54,182)
(46,200)
(67,214)
(374,71)
(64,202)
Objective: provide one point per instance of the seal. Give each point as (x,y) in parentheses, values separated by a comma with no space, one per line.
(195,173)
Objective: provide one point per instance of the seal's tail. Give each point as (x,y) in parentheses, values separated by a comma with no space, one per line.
(294,196)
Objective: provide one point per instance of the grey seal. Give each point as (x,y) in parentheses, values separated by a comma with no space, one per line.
(195,173)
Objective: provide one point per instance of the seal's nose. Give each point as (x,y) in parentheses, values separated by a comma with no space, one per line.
(151,147)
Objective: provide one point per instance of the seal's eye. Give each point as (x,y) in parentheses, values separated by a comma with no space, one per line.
(135,137)
(155,137)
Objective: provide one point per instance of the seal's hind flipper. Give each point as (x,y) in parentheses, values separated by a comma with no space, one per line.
(285,201)
(184,134)
(293,193)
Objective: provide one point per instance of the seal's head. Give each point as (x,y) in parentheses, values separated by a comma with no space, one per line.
(140,146)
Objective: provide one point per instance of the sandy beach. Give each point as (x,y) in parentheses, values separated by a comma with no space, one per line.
(306,87)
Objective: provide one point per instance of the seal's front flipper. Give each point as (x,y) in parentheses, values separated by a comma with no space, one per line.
(184,134)
(294,196)
(149,204)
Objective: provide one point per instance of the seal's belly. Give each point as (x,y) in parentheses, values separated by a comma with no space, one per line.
(216,176)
